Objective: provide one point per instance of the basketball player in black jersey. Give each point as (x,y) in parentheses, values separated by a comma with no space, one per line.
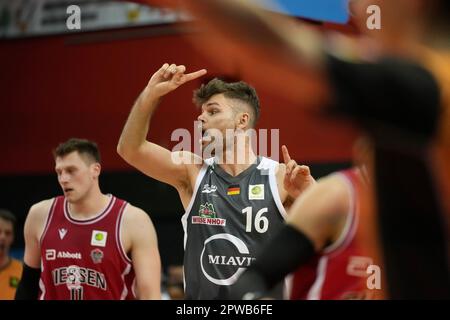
(232,207)
(397,89)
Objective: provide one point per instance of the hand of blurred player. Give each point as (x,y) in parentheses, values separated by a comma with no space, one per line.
(168,78)
(297,177)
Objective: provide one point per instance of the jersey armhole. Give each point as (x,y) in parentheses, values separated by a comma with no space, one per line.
(48,221)
(272,166)
(50,215)
(185,216)
(123,254)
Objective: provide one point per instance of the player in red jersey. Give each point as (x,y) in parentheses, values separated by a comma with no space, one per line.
(320,243)
(87,245)
(339,269)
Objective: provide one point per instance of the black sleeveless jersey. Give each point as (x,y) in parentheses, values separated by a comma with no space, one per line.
(226,222)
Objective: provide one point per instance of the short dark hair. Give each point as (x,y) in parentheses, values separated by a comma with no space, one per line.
(233,90)
(8,216)
(83,146)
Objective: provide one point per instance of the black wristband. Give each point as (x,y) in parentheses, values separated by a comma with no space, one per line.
(28,288)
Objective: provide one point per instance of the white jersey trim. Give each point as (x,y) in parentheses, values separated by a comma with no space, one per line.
(125,289)
(48,221)
(42,287)
(199,179)
(105,211)
(316,289)
(288,284)
(123,253)
(133,288)
(271,166)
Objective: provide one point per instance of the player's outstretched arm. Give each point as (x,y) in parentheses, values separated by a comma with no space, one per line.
(320,212)
(150,158)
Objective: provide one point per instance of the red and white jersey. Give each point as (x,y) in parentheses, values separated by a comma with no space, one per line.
(85,260)
(340,271)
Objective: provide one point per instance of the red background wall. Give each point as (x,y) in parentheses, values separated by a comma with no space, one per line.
(84,85)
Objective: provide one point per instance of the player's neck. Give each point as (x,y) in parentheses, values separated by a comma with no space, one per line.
(240,162)
(90,206)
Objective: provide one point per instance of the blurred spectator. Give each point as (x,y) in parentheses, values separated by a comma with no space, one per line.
(10,268)
(175,282)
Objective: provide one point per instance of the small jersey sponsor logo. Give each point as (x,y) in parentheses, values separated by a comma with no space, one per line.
(357,266)
(256,192)
(99,238)
(207,210)
(207,215)
(209,221)
(234,191)
(97,255)
(62,233)
(68,255)
(51,254)
(209,188)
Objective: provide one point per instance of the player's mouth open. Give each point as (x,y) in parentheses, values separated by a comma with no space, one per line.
(206,138)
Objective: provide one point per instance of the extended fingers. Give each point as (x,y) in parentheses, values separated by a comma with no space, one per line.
(177,73)
(302,170)
(286,156)
(290,166)
(162,69)
(195,75)
(170,70)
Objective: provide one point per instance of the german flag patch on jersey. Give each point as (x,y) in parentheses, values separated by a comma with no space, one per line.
(233,190)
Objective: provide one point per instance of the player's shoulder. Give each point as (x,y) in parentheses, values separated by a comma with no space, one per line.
(269,165)
(135,215)
(41,209)
(334,185)
(136,221)
(187,158)
(37,217)
(133,210)
(349,177)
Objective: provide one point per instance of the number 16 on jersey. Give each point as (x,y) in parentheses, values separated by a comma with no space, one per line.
(261,223)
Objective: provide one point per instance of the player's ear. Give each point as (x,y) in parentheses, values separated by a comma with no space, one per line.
(243,120)
(96,168)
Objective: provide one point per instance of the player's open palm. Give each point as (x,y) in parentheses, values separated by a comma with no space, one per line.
(297,177)
(170,77)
